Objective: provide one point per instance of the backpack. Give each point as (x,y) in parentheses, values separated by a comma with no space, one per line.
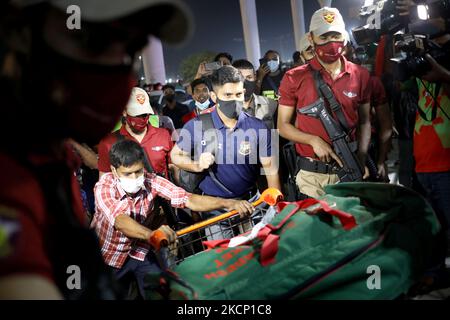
(358,241)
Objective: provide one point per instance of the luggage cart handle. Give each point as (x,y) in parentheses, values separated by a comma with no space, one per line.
(271,196)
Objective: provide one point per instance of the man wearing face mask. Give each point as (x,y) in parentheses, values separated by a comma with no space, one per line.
(255,105)
(125,198)
(202,98)
(172,108)
(349,84)
(269,75)
(74,82)
(156,142)
(244,142)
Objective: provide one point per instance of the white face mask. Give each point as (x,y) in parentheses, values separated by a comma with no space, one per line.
(202,106)
(132,185)
(273,65)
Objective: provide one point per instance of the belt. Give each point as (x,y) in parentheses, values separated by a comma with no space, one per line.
(316,166)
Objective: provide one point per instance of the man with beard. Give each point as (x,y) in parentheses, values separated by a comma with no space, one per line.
(61,78)
(243,144)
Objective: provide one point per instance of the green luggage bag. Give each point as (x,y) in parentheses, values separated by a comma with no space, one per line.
(359,241)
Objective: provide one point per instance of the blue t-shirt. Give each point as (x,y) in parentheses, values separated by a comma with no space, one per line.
(239,150)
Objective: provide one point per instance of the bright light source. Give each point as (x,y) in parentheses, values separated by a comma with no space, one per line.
(140,57)
(422,11)
(170,80)
(368,3)
(142,78)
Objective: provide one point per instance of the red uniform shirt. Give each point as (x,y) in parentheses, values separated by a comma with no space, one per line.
(156,143)
(25,221)
(298,89)
(378,93)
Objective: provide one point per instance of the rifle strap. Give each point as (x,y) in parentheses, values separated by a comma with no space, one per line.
(324,92)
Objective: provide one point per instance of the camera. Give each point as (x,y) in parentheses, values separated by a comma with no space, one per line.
(383,18)
(410,59)
(263,61)
(212,66)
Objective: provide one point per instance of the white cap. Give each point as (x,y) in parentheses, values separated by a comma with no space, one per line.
(139,103)
(326,20)
(175,30)
(304,43)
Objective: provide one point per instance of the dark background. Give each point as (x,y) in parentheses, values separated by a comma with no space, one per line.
(218,28)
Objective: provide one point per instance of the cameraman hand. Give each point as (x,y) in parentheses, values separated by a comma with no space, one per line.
(403,7)
(437,73)
(324,151)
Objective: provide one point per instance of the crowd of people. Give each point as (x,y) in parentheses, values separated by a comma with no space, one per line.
(125,170)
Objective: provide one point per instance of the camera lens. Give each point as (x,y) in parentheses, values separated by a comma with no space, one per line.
(417,66)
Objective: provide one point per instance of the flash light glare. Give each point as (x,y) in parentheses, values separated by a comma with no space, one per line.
(422,12)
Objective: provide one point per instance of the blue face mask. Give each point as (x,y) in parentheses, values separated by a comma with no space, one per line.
(273,65)
(202,106)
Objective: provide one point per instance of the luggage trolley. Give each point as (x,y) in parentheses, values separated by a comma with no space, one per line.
(190,240)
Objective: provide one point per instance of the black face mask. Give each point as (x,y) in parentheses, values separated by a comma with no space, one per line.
(250,88)
(231,109)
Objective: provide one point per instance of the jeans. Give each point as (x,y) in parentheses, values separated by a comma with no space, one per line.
(437,188)
(138,269)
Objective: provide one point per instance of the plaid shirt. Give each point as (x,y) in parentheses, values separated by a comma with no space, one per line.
(112,201)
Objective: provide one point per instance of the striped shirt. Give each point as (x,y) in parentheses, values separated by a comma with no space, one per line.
(112,201)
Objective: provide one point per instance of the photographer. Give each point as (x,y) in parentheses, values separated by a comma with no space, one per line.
(432,127)
(432,153)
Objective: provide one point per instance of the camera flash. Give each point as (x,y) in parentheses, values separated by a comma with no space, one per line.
(422,11)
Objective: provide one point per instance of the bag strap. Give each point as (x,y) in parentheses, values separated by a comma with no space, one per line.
(422,114)
(324,92)
(208,124)
(269,247)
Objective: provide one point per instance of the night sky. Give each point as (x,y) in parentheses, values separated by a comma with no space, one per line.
(218,28)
